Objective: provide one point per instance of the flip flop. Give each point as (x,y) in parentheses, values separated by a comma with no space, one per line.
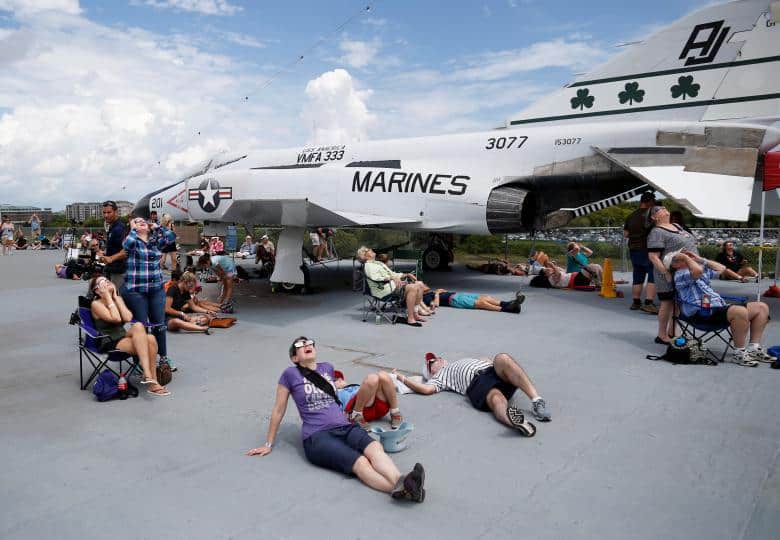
(517,419)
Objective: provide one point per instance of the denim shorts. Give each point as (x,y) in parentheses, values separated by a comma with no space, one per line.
(337,448)
(642,267)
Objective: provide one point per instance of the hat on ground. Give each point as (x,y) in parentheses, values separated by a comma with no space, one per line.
(427,372)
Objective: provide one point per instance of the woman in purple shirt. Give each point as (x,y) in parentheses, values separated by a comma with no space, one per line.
(329,439)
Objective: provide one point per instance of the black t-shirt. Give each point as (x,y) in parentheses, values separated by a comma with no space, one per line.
(638,227)
(179,298)
(733,263)
(116,235)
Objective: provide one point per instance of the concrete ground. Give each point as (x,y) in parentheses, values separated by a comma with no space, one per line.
(636,449)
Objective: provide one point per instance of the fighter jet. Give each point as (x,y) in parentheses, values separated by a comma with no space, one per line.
(693,112)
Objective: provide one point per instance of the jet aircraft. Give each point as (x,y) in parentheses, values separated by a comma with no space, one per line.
(693,112)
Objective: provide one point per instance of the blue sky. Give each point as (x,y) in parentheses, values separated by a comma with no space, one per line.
(112,98)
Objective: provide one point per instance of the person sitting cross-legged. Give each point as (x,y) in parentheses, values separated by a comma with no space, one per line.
(692,274)
(488,383)
(178,300)
(383,282)
(370,400)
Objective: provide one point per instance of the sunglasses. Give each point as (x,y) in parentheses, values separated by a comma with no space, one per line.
(303,343)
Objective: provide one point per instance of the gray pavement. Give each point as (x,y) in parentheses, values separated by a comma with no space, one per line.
(636,449)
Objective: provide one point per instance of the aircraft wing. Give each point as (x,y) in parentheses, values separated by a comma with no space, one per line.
(713,183)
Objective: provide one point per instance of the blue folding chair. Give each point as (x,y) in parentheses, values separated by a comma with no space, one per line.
(386,307)
(698,328)
(89,350)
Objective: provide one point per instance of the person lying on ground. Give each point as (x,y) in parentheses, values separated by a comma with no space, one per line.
(692,274)
(329,439)
(370,400)
(178,300)
(442,297)
(65,271)
(110,315)
(500,267)
(383,282)
(736,266)
(558,278)
(577,261)
(488,383)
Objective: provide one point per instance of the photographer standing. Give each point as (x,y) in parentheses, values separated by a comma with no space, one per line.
(115,256)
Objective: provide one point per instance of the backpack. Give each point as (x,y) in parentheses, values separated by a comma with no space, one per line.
(683,351)
(106,386)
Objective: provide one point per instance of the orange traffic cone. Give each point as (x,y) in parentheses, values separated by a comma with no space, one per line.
(608,281)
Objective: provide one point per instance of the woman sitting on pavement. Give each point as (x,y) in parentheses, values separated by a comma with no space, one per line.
(692,275)
(329,439)
(177,300)
(736,266)
(110,313)
(370,400)
(577,261)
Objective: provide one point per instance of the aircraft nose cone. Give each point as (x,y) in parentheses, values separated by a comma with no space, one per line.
(141,208)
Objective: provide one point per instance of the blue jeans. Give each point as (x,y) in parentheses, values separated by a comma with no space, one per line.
(149,307)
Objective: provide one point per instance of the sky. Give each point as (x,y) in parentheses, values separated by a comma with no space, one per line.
(112,99)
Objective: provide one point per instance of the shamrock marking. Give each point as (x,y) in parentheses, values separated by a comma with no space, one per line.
(685,87)
(631,94)
(582,100)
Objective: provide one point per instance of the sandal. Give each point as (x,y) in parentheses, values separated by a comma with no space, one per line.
(161,391)
(517,419)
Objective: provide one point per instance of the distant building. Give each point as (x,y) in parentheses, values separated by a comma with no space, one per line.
(22,214)
(81,211)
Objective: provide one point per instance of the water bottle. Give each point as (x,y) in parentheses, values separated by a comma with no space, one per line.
(705,304)
(122,386)
(378,319)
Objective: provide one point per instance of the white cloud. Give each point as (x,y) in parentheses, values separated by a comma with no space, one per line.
(30,7)
(207,7)
(359,54)
(336,110)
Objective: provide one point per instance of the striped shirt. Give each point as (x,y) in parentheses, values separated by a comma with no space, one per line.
(457,376)
(143,262)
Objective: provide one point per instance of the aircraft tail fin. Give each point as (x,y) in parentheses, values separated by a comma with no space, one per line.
(721,62)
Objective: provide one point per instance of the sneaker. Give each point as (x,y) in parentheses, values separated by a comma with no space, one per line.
(758,353)
(743,358)
(540,411)
(357,418)
(635,306)
(168,360)
(517,419)
(396,419)
(649,308)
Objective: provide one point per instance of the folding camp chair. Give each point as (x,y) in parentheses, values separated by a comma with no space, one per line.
(386,307)
(89,350)
(698,328)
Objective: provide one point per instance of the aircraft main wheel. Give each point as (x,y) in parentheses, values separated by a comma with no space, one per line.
(434,259)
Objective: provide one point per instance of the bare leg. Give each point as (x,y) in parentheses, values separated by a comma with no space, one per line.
(664,316)
(386,391)
(758,315)
(510,371)
(738,320)
(367,392)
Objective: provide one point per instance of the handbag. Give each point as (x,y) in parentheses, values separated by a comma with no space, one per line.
(222,322)
(685,351)
(164,373)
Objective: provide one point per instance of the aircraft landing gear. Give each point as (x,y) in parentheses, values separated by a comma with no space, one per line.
(438,255)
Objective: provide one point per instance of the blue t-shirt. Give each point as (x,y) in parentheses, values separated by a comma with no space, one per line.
(318,410)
